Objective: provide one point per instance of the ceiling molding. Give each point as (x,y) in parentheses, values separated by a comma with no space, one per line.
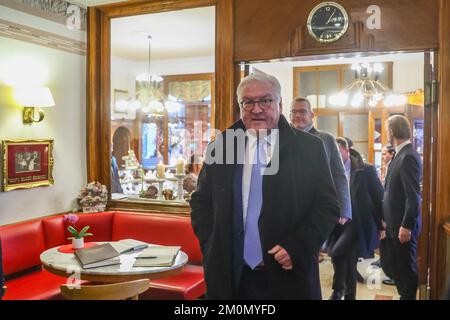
(58,11)
(24,33)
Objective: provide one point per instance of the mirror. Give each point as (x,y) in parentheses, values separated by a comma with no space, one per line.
(162,99)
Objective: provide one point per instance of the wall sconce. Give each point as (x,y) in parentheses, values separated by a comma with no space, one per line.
(32,99)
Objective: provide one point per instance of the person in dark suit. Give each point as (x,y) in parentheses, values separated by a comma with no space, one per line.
(2,276)
(261,223)
(302,119)
(358,237)
(387,153)
(401,207)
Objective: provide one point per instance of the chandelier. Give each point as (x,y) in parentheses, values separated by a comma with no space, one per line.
(366,89)
(150,92)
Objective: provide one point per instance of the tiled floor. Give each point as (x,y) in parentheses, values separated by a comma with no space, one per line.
(372,289)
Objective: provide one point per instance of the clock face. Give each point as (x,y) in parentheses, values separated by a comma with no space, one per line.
(327,22)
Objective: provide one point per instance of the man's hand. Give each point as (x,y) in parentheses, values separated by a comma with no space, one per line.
(343,220)
(382,234)
(404,235)
(282,257)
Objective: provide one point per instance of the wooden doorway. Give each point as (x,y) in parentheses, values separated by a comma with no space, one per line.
(121,144)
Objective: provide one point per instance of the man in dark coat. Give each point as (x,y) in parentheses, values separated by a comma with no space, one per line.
(401,207)
(296,204)
(302,119)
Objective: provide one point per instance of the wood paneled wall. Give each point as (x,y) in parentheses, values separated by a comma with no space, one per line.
(443,157)
(268,29)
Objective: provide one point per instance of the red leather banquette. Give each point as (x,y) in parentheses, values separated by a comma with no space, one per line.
(23,242)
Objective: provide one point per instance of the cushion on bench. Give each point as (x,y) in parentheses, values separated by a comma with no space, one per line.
(100,225)
(54,232)
(37,285)
(159,229)
(22,244)
(188,285)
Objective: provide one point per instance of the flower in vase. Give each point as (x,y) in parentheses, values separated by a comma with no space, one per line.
(72,220)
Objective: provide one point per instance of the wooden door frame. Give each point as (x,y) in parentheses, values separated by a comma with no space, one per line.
(441,198)
(98,71)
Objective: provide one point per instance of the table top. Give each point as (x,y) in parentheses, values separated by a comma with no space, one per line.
(65,264)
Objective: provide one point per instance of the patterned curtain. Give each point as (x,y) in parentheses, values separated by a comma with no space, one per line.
(190,91)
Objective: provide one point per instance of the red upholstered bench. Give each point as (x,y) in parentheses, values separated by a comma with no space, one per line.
(23,242)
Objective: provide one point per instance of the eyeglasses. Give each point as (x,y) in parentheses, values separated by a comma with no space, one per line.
(250,104)
(301,112)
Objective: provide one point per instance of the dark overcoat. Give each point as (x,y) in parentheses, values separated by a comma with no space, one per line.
(299,211)
(367,204)
(402,197)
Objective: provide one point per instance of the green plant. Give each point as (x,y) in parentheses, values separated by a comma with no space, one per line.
(78,235)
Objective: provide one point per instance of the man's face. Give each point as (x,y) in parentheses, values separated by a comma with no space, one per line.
(345,153)
(386,155)
(301,115)
(257,118)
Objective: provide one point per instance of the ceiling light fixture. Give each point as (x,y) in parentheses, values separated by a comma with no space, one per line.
(366,89)
(150,94)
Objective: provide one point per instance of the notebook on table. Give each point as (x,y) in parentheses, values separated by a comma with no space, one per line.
(98,256)
(128,245)
(157,256)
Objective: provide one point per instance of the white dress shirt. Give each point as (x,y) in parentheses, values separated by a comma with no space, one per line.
(401,146)
(249,160)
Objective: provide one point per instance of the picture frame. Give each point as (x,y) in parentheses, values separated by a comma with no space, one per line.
(27,164)
(120,98)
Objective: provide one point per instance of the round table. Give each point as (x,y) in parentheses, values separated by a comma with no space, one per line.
(66,265)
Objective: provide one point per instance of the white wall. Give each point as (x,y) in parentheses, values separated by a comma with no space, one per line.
(124,72)
(65,123)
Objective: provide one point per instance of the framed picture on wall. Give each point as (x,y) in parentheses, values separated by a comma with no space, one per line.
(27,164)
(120,101)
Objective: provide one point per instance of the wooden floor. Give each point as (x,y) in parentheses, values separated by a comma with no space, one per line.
(373,289)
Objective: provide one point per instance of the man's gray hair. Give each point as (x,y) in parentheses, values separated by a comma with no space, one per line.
(258,75)
(399,126)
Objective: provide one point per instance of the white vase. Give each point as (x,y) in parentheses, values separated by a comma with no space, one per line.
(77,243)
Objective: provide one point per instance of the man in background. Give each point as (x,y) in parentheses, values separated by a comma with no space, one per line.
(387,153)
(401,207)
(358,237)
(301,117)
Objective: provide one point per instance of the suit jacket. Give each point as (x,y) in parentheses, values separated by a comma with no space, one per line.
(299,211)
(367,204)
(401,202)
(337,171)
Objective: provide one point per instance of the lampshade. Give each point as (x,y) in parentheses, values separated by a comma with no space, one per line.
(34,97)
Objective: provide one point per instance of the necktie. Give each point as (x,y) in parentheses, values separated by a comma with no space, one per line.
(252,241)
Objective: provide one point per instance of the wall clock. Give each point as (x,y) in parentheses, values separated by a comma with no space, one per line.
(327,22)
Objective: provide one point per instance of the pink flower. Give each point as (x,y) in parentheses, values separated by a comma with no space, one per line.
(71,218)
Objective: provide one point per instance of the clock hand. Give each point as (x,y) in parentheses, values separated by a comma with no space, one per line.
(331,16)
